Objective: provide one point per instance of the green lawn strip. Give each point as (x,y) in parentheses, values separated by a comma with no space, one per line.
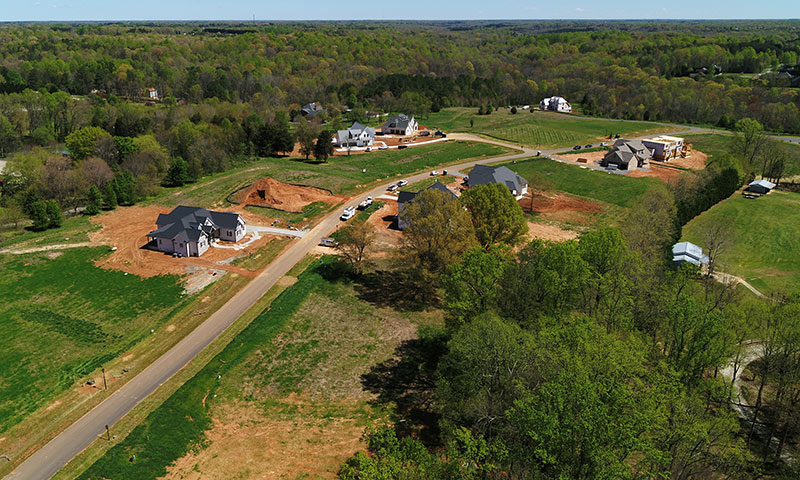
(312,212)
(178,425)
(583,150)
(341,175)
(538,129)
(63,318)
(765,241)
(607,187)
(74,230)
(263,256)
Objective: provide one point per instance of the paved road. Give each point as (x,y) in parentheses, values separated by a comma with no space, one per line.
(58,452)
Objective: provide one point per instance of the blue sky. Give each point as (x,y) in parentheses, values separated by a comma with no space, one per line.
(43,10)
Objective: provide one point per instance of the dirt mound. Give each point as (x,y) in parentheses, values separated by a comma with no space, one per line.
(269,192)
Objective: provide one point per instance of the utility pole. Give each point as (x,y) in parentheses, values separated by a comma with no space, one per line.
(108,434)
(105,386)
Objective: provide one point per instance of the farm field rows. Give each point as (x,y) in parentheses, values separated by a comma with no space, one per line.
(764,239)
(538,129)
(293,391)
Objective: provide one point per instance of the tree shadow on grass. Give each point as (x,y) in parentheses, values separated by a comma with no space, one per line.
(395,289)
(407,382)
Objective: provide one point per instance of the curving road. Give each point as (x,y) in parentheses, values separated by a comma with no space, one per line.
(44,463)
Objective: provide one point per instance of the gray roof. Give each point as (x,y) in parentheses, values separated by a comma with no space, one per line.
(354,131)
(399,121)
(190,223)
(485,175)
(312,109)
(624,151)
(688,252)
(763,183)
(405,197)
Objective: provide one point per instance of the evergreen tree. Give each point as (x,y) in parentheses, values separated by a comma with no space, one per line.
(38,213)
(125,188)
(109,196)
(178,173)
(94,201)
(54,216)
(324,147)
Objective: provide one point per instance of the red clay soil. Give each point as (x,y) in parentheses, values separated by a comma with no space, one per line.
(666,174)
(550,232)
(283,196)
(126,228)
(387,237)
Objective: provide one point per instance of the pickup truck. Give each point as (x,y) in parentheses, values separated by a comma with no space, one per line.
(365,204)
(328,242)
(402,183)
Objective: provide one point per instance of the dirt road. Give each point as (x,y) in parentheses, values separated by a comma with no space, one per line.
(74,439)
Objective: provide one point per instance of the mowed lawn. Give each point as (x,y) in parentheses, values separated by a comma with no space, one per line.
(341,175)
(610,188)
(537,129)
(292,393)
(765,240)
(62,318)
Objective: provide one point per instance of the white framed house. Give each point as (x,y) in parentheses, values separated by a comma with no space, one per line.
(357,135)
(400,125)
(555,104)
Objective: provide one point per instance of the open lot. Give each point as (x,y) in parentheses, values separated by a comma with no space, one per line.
(341,175)
(63,317)
(290,396)
(537,129)
(764,239)
(718,144)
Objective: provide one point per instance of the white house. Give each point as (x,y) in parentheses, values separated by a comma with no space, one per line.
(687,252)
(356,136)
(189,231)
(153,93)
(555,104)
(400,125)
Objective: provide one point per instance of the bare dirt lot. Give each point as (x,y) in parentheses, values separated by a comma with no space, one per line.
(387,236)
(559,207)
(127,228)
(283,196)
(552,233)
(592,158)
(303,446)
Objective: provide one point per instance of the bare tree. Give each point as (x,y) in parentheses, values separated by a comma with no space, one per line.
(95,171)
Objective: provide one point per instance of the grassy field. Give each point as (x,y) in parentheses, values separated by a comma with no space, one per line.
(537,129)
(609,188)
(765,248)
(63,317)
(263,256)
(341,175)
(718,144)
(288,392)
(74,230)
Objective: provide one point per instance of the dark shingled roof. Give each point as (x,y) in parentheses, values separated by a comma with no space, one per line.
(190,223)
(405,197)
(486,175)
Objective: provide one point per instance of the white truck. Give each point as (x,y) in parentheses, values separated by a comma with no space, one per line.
(348,213)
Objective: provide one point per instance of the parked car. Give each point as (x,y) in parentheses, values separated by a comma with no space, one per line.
(588,146)
(369,149)
(603,144)
(434,173)
(538,153)
(383,147)
(402,183)
(328,242)
(444,172)
(348,213)
(392,187)
(577,147)
(402,146)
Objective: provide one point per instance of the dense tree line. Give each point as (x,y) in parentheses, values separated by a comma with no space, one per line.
(590,358)
(612,70)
